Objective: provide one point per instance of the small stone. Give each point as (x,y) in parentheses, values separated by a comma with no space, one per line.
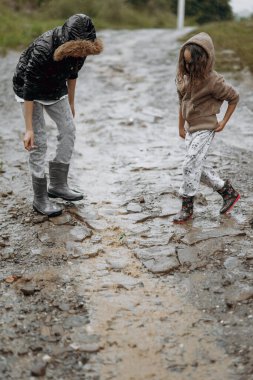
(134,207)
(39,369)
(61,220)
(39,219)
(28,290)
(232,263)
(79,234)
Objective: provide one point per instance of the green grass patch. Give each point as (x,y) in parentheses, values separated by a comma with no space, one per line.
(19,28)
(233,44)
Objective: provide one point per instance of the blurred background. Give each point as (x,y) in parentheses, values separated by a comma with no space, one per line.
(230,22)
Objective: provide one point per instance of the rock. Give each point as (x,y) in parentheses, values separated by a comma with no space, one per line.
(187,256)
(61,220)
(28,290)
(87,347)
(80,233)
(39,369)
(158,259)
(39,219)
(162,264)
(117,263)
(134,207)
(238,294)
(231,263)
(3,364)
(63,307)
(201,235)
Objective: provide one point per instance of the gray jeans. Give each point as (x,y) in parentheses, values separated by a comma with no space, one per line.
(60,113)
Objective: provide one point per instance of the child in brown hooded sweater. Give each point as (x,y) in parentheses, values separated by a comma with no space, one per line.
(201,93)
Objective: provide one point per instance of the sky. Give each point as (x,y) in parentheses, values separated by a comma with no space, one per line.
(242,5)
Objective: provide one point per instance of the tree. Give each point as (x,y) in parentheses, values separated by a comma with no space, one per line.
(206,10)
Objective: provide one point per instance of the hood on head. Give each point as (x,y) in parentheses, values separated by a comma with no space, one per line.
(77,38)
(78,27)
(205,41)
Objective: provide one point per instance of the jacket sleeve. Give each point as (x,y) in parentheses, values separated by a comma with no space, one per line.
(39,56)
(79,65)
(224,91)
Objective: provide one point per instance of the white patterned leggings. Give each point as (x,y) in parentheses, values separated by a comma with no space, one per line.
(60,113)
(195,169)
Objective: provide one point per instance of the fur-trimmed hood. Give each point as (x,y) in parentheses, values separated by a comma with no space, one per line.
(78,48)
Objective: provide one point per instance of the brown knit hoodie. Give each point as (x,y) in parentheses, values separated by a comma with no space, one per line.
(201,104)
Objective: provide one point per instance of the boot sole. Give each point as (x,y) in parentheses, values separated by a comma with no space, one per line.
(56,213)
(232,206)
(182,221)
(64,198)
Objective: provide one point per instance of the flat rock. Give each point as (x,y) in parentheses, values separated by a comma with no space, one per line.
(231,263)
(238,294)
(61,219)
(187,256)
(79,233)
(162,264)
(134,207)
(200,235)
(158,259)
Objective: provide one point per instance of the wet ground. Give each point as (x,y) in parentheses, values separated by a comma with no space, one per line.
(112,289)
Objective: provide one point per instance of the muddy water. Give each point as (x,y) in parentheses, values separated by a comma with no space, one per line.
(112,289)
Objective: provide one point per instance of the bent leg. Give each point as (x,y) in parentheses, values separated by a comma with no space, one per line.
(210,178)
(37,156)
(197,146)
(60,113)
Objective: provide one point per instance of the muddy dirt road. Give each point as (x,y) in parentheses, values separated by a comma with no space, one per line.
(112,289)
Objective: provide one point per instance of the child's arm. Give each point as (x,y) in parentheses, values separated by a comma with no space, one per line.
(71,94)
(29,135)
(228,114)
(224,91)
(181,122)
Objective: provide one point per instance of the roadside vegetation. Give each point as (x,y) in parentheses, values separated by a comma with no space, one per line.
(23,20)
(233,43)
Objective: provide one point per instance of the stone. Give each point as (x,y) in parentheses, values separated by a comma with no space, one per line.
(187,256)
(231,263)
(134,207)
(39,369)
(162,265)
(238,294)
(79,233)
(28,290)
(61,219)
(197,236)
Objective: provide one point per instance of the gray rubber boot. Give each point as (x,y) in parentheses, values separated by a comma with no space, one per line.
(41,203)
(58,188)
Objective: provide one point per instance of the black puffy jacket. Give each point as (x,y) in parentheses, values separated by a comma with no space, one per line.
(39,75)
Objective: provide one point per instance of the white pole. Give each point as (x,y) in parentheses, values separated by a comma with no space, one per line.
(180,13)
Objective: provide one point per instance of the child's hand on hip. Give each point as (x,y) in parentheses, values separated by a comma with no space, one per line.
(182,133)
(221,126)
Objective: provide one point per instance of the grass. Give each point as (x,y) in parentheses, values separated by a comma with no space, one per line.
(233,40)
(18,29)
(233,44)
